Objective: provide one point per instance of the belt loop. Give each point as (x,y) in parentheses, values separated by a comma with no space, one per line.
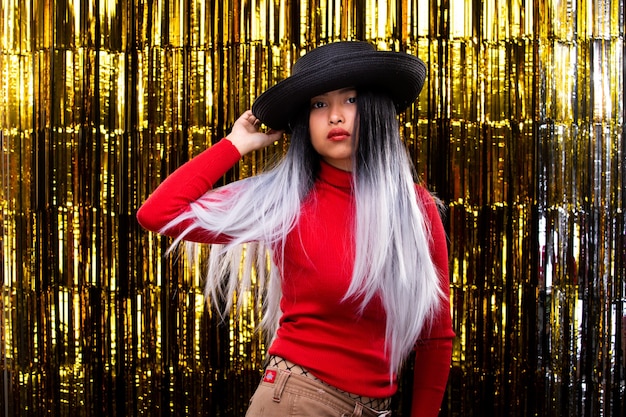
(358,410)
(281,381)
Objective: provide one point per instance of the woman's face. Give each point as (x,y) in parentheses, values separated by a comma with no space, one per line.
(332,122)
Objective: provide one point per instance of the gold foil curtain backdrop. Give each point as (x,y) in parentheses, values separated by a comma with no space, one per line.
(580,235)
(519,130)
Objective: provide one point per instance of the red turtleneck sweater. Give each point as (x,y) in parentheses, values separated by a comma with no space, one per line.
(317,330)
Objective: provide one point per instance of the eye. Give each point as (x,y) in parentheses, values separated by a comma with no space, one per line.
(317,104)
(351,99)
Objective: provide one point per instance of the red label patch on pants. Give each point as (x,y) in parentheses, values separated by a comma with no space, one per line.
(270,376)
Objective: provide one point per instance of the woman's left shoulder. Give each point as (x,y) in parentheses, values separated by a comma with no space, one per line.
(432,204)
(425,195)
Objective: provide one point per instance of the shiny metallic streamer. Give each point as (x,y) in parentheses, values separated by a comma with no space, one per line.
(519,130)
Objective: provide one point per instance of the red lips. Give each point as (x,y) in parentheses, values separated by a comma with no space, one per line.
(338,134)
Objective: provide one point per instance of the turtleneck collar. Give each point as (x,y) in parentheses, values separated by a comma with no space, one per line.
(336,177)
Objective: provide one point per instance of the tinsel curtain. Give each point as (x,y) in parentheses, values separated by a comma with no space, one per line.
(519,130)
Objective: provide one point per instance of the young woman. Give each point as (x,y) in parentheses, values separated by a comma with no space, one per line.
(358,275)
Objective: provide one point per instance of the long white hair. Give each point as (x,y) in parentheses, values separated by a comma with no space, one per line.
(392,257)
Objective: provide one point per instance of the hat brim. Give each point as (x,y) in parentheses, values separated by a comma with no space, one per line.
(399,75)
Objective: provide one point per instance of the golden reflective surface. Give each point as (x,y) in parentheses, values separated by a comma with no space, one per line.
(519,130)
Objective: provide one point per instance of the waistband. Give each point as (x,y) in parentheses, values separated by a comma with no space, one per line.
(374,404)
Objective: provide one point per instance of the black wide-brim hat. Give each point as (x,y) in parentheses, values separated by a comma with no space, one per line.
(339,65)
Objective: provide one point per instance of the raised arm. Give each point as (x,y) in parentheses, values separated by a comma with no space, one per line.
(195,178)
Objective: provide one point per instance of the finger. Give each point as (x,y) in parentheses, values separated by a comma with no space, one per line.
(253,120)
(275,134)
(248,117)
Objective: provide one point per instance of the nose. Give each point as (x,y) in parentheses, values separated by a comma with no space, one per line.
(335,116)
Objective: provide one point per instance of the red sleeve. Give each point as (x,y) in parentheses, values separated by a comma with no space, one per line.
(434,351)
(184,186)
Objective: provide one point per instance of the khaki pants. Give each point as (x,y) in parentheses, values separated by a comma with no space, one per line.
(283,394)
